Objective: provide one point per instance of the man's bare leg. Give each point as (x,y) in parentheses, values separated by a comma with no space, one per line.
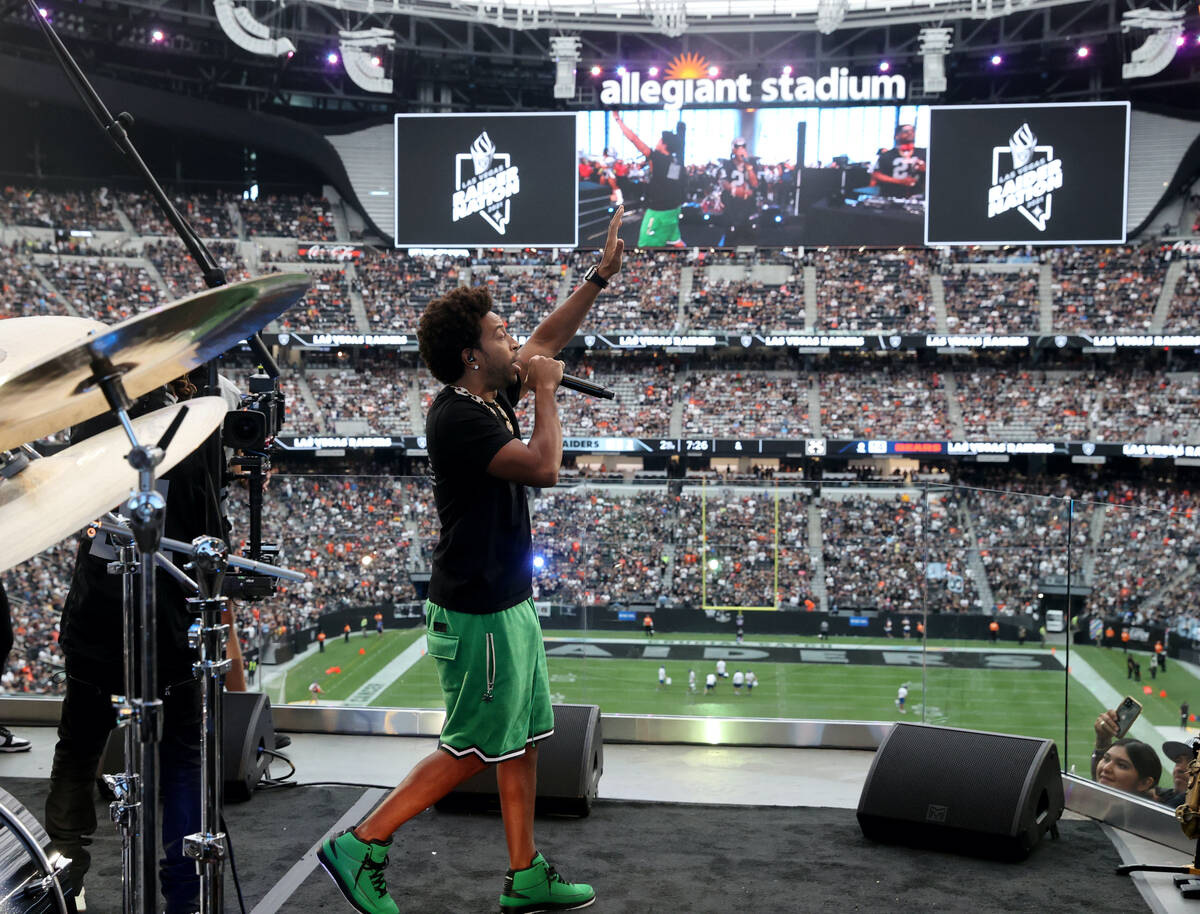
(517,781)
(430,779)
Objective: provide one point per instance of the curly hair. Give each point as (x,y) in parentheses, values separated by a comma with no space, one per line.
(449,325)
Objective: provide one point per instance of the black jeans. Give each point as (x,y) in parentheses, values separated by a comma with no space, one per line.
(87,718)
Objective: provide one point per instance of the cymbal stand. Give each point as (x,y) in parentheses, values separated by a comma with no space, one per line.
(142,708)
(208,847)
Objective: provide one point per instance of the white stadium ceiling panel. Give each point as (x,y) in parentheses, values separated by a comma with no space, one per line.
(677,17)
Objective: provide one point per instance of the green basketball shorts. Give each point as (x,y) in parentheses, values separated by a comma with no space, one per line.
(492,669)
(660,227)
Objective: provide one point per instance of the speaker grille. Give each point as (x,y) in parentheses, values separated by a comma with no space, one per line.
(967,779)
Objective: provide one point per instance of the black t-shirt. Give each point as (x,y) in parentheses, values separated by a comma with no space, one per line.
(897,165)
(668,181)
(92,613)
(483,560)
(736,172)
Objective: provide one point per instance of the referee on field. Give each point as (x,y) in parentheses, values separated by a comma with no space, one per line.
(481,625)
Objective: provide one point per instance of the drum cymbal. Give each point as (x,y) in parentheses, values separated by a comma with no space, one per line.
(25,341)
(57,496)
(147,350)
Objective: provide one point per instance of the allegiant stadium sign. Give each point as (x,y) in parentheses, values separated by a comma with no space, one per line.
(838,85)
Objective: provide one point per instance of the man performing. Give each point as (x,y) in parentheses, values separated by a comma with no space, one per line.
(739,191)
(900,172)
(667,190)
(481,625)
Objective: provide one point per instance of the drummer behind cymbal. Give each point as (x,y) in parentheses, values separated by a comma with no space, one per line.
(92,645)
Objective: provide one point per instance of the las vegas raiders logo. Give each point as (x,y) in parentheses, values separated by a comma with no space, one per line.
(1024,177)
(489,190)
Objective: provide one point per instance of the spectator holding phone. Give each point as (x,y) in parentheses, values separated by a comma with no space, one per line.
(1124,764)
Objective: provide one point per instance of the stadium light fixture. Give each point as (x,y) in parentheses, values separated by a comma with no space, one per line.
(884,66)
(935,45)
(564,51)
(997,60)
(654,71)
(596,71)
(714,71)
(359,57)
(248,33)
(1083,52)
(668,16)
(830,14)
(1158,50)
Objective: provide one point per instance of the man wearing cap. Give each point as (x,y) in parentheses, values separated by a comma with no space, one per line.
(1181,755)
(667,189)
(739,189)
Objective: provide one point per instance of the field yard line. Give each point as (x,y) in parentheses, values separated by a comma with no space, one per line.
(1082,672)
(395,668)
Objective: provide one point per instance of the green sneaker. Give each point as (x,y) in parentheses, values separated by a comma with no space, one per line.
(540,888)
(357,869)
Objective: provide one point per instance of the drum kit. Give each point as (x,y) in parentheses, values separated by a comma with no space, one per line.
(56,372)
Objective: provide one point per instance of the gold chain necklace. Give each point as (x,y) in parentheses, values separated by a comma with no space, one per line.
(492,406)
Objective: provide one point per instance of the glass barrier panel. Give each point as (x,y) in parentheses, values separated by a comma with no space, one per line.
(991,664)
(1132,627)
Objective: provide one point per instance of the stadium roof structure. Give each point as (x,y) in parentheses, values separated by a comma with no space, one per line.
(678,17)
(460,55)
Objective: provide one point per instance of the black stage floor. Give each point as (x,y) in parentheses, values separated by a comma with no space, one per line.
(641,857)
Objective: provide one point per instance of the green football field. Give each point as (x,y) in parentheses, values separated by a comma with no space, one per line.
(1019,701)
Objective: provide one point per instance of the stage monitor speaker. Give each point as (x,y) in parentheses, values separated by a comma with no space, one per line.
(568,774)
(984,794)
(248,730)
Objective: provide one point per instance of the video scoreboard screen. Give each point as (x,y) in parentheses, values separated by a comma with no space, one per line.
(1028,174)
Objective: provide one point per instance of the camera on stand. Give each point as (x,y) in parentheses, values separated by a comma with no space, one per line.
(250,430)
(258,419)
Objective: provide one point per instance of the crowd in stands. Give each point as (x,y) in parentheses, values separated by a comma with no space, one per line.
(1022,537)
(745,305)
(1105,290)
(395,289)
(356,537)
(1185,303)
(1148,544)
(36,590)
(207,213)
(22,293)
(181,274)
(991,302)
(884,403)
(643,296)
(305,217)
(1026,405)
(749,404)
(863,291)
(875,550)
(379,400)
(1157,408)
(598,548)
(62,209)
(106,290)
(326,305)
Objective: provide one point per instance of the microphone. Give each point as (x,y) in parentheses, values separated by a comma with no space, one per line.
(586,387)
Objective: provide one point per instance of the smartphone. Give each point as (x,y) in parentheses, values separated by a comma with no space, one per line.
(1127,712)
